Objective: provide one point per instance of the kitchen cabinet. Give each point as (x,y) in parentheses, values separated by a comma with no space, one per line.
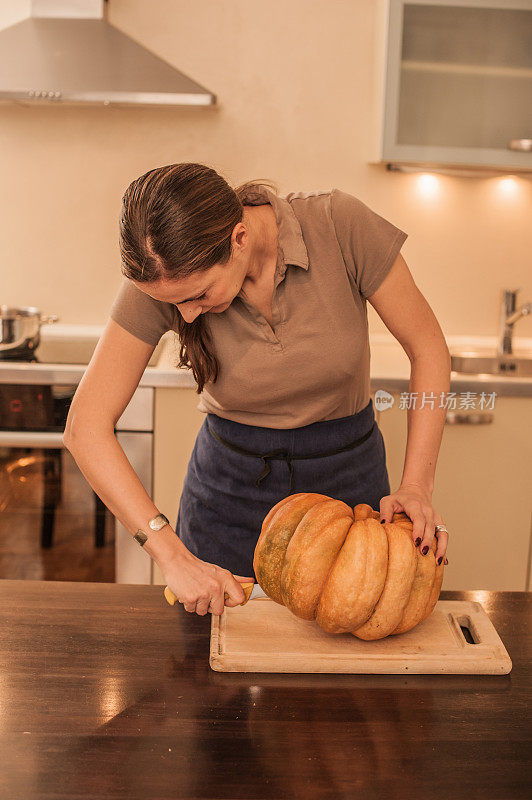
(456,80)
(482,490)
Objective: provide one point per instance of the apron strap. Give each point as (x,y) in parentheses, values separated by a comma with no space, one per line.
(284,455)
(276,454)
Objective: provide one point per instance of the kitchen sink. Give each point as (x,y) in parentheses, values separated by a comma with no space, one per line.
(476,362)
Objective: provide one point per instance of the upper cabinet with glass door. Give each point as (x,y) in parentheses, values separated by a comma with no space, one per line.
(458,84)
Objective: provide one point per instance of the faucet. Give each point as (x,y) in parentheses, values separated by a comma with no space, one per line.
(508,318)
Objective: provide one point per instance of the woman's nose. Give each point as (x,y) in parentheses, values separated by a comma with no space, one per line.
(190,314)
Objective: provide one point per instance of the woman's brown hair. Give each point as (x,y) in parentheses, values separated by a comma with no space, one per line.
(176,220)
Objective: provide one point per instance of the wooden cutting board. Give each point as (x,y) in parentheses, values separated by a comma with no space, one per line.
(263,636)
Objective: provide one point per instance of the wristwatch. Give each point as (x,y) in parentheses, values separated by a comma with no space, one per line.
(154,524)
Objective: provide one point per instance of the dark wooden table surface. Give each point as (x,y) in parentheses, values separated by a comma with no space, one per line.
(106,692)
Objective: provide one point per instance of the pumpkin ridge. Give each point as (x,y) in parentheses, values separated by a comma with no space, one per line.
(276,531)
(335,560)
(420,593)
(436,586)
(274,509)
(366,571)
(400,575)
(316,541)
(338,612)
(367,510)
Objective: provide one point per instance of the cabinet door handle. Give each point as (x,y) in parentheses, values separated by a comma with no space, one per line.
(457,418)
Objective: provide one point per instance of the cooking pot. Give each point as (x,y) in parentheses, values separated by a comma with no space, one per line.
(20,328)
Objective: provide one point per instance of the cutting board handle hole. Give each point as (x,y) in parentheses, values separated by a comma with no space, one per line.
(468,629)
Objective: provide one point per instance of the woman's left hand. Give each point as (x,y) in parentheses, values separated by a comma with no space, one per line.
(416,503)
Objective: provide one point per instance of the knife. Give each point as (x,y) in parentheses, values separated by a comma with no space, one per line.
(251,591)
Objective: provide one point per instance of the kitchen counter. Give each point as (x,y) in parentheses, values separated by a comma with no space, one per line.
(106,692)
(390,367)
(162,373)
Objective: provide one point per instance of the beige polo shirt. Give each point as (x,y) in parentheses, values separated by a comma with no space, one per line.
(333,253)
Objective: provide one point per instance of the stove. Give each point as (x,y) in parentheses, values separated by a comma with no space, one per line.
(28,400)
(35,405)
(62,349)
(18,355)
(62,357)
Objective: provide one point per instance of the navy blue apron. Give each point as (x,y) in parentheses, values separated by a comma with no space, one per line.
(227,491)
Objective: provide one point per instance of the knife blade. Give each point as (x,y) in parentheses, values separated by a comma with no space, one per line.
(251,591)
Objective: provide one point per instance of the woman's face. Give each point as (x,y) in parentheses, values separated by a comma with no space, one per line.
(213,290)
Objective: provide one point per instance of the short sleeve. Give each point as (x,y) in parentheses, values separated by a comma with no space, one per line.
(140,314)
(369,243)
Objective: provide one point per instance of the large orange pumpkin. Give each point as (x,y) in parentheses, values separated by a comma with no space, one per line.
(341,567)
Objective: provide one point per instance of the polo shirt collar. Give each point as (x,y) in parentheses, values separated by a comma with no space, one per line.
(291,243)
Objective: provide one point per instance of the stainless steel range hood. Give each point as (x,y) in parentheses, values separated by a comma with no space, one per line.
(67,52)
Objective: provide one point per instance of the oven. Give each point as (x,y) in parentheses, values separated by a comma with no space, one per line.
(47,508)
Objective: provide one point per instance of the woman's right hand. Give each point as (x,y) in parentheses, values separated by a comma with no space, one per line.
(200,586)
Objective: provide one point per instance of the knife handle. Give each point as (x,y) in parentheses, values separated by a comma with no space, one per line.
(247,587)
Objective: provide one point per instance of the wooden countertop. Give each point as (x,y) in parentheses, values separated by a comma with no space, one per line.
(106,692)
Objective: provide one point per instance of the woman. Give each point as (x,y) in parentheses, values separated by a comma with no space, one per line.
(268,295)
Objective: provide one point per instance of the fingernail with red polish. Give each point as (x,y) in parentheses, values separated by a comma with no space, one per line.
(383,521)
(440,560)
(425,550)
(418,541)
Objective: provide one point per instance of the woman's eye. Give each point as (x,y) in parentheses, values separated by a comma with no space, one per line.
(193,301)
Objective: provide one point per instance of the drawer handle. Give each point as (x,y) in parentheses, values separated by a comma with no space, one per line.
(48,439)
(457,418)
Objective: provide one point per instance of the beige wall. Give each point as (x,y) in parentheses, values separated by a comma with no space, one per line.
(298,95)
